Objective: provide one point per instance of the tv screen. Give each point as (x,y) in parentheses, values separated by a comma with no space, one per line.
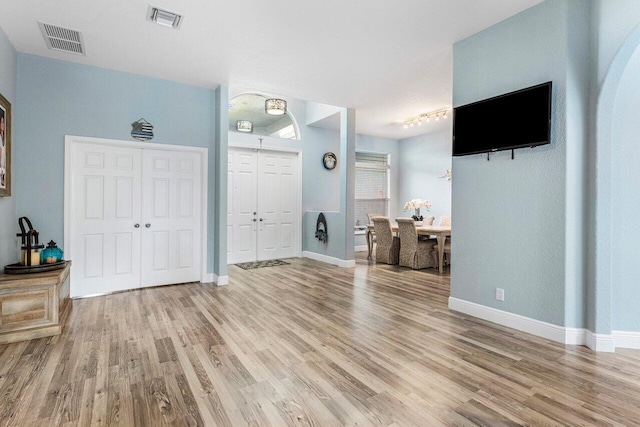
(514,120)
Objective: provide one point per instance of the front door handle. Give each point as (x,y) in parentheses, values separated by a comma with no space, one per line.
(261,219)
(147,225)
(137,225)
(254,220)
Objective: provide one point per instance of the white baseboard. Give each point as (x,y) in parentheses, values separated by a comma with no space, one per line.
(626,339)
(561,334)
(600,342)
(344,263)
(525,324)
(220,280)
(361,248)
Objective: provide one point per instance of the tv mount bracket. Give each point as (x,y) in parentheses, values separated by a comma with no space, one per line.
(512,154)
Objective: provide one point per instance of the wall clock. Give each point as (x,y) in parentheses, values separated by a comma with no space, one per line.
(329,161)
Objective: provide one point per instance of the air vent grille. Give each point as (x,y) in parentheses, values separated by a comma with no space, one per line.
(62,39)
(164,17)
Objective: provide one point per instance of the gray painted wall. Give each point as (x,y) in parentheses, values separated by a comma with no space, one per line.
(8,219)
(56,98)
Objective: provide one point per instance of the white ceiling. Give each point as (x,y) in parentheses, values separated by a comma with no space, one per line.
(390,60)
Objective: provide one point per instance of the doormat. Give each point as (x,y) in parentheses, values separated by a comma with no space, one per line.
(260,264)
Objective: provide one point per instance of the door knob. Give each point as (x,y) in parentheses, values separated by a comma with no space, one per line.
(255,213)
(147,225)
(137,225)
(261,219)
(254,220)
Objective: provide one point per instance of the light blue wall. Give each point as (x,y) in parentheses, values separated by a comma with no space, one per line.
(511,225)
(625,200)
(8,219)
(424,159)
(58,98)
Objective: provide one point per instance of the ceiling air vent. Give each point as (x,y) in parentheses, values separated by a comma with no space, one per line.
(63,39)
(164,17)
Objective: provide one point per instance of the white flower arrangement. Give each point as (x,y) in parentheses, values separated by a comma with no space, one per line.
(416,205)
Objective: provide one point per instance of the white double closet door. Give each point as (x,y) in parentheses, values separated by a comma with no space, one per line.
(135,217)
(264,218)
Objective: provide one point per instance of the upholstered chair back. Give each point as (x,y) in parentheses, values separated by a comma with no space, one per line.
(428,220)
(382,228)
(371,216)
(408,235)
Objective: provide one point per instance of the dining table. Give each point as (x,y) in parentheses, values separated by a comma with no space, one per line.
(440,231)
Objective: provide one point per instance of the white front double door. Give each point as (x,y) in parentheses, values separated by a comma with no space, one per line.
(264,218)
(135,217)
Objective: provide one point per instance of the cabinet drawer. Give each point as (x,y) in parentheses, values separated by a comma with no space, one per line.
(25,309)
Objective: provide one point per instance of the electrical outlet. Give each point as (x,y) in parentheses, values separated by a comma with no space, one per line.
(500,294)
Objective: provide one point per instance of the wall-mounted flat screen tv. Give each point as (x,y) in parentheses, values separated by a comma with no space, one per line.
(513,120)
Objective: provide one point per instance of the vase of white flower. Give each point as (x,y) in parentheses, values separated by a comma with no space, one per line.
(416,205)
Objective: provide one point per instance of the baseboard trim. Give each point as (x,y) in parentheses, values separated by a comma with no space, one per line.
(573,336)
(361,248)
(564,335)
(626,339)
(600,342)
(343,263)
(220,280)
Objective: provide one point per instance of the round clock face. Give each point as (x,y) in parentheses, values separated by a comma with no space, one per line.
(330,161)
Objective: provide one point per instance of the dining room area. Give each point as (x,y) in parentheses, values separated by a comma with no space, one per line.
(403,201)
(407,242)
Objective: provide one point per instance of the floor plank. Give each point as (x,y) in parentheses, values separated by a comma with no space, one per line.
(307,344)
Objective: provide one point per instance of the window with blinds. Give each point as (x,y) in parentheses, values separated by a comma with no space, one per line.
(372,185)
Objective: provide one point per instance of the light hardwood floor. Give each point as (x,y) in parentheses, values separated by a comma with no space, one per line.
(307,344)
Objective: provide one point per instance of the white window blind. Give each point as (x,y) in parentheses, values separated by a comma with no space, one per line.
(372,185)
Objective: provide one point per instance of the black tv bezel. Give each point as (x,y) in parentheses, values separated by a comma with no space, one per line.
(511,147)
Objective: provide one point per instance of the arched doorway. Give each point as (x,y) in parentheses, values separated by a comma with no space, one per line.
(612,186)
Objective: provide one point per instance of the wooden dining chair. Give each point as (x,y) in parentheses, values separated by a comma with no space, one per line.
(415,253)
(388,245)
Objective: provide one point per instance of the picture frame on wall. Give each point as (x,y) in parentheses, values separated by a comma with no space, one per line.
(5,147)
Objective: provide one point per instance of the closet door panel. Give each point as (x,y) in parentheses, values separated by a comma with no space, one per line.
(105,207)
(171,207)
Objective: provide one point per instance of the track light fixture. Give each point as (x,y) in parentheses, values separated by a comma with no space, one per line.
(426,117)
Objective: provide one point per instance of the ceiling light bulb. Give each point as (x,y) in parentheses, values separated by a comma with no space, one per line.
(437,117)
(411,124)
(444,115)
(420,122)
(428,119)
(406,126)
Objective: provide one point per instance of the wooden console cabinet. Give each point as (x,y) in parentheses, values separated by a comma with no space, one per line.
(33,305)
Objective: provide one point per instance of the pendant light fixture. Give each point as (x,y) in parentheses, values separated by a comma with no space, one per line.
(275,107)
(244,126)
